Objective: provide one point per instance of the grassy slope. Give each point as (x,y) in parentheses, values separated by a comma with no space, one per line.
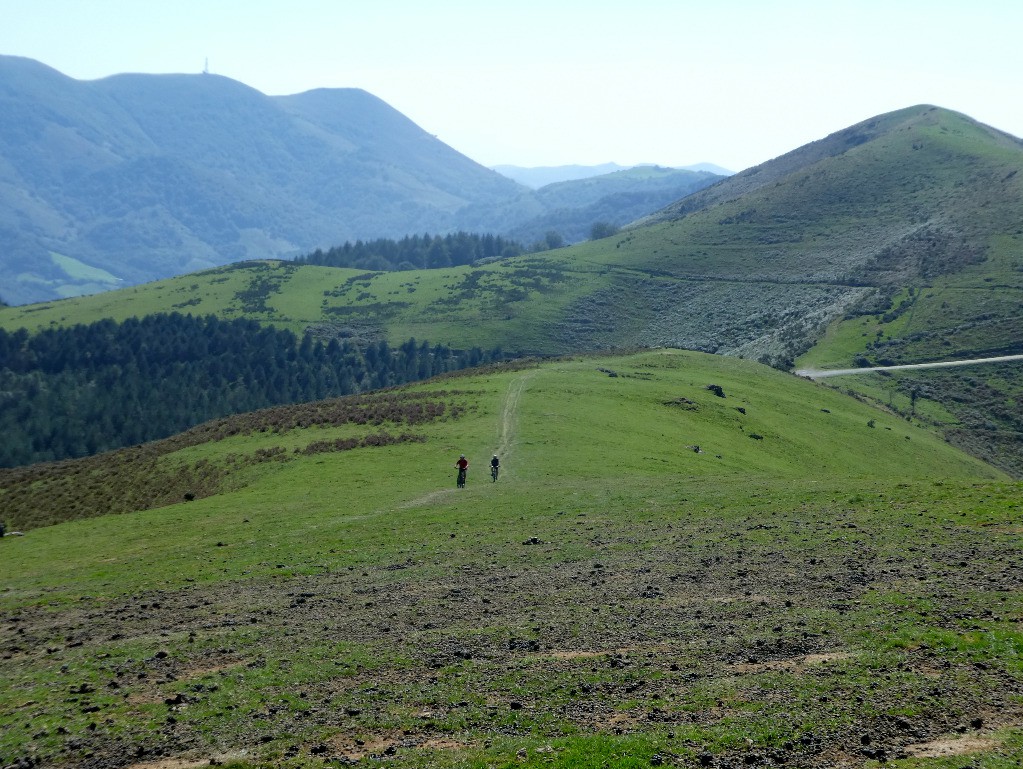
(616,595)
(514,303)
(971,312)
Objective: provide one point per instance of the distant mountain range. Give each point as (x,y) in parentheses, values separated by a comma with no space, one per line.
(541,176)
(136,177)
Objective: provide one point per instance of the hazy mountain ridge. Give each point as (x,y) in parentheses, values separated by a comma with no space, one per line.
(139,177)
(537,177)
(614,199)
(147,176)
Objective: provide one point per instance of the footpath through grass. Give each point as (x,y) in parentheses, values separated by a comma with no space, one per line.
(661,576)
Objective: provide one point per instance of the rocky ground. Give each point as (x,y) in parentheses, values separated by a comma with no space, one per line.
(808,637)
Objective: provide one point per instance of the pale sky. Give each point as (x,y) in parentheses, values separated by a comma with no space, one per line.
(538,83)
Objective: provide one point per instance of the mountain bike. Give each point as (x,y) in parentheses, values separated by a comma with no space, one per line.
(461,477)
(493,472)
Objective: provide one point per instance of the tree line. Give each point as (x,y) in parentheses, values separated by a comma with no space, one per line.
(415,252)
(76,391)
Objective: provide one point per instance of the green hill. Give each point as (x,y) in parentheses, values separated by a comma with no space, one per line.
(785,437)
(687,560)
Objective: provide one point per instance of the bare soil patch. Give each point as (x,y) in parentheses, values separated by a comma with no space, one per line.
(790,664)
(170,763)
(952,746)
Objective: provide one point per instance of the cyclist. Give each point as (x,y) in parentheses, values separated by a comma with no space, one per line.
(495,466)
(462,464)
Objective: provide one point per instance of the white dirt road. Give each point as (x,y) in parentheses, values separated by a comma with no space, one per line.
(811,373)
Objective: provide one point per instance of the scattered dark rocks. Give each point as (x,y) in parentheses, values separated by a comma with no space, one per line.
(683,403)
(26,762)
(523,644)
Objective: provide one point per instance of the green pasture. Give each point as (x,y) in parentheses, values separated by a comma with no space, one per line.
(516,301)
(198,293)
(661,575)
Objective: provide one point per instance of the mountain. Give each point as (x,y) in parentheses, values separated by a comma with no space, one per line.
(758,264)
(137,177)
(541,176)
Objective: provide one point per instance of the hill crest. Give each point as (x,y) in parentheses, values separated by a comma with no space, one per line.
(832,146)
(717,416)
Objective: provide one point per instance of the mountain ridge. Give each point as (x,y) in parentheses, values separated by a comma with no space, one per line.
(538,177)
(136,177)
(831,146)
(145,176)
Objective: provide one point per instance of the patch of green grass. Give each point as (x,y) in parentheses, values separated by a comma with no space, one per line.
(82,272)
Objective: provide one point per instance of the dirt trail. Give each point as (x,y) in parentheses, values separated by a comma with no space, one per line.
(426,499)
(509,414)
(505,437)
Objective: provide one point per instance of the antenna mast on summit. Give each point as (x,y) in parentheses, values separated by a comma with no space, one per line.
(206,68)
